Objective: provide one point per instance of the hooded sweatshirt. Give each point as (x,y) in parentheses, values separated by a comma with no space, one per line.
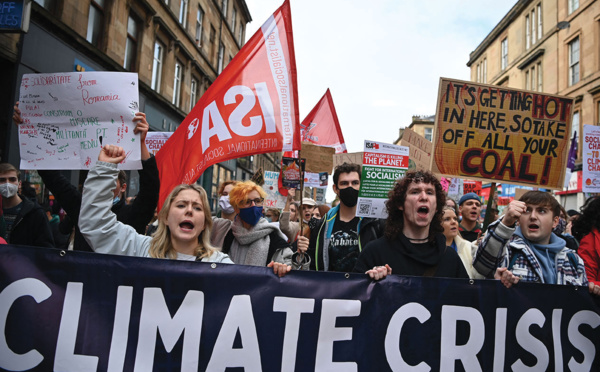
(546,255)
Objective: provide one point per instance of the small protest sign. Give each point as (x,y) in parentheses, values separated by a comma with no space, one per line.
(591,158)
(501,134)
(383,164)
(350,157)
(318,158)
(290,170)
(67,117)
(420,149)
(155,140)
(273,199)
(318,180)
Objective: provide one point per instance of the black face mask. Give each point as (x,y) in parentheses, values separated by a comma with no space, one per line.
(313,222)
(349,196)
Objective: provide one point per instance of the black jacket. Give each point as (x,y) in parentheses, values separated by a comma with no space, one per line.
(31,226)
(138,214)
(431,259)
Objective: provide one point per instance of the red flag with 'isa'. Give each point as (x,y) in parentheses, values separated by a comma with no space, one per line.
(322,127)
(251,108)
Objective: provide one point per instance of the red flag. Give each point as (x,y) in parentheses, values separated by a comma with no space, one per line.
(251,108)
(322,127)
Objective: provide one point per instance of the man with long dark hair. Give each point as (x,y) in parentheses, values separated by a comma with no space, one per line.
(413,243)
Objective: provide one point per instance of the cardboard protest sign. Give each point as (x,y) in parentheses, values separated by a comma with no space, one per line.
(472,186)
(350,157)
(274,199)
(318,159)
(251,108)
(591,158)
(322,127)
(420,149)
(156,140)
(499,134)
(67,117)
(383,164)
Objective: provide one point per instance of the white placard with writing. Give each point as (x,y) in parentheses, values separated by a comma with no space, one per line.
(156,140)
(67,117)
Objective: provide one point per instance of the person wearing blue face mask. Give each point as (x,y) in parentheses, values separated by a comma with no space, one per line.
(252,240)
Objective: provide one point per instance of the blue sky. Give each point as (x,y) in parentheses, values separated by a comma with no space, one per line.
(382,59)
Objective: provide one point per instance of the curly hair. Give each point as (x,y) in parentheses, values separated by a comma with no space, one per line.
(397,197)
(589,218)
(240,192)
(161,245)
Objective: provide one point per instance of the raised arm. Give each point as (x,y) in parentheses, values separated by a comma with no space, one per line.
(97,223)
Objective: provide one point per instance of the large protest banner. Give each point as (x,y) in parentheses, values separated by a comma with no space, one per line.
(251,108)
(382,165)
(322,127)
(68,116)
(591,158)
(89,312)
(498,134)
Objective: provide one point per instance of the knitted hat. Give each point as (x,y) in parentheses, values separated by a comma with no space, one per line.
(469,196)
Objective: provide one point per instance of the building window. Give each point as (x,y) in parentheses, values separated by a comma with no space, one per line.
(574,61)
(157,64)
(527,32)
(533,32)
(183,9)
(220,60)
(573,5)
(539,75)
(527,86)
(484,72)
(241,34)
(212,42)
(95,22)
(533,85)
(504,60)
(540,32)
(131,44)
(177,84)
(478,78)
(193,93)
(429,134)
(199,18)
(233,19)
(224,8)
(47,4)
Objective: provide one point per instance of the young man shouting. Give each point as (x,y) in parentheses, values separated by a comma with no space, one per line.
(521,246)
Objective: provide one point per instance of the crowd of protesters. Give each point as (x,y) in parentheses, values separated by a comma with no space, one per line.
(425,233)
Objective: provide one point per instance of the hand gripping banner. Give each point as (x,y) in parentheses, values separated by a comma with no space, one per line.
(79,311)
(322,127)
(251,108)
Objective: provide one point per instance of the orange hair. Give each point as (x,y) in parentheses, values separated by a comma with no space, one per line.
(240,192)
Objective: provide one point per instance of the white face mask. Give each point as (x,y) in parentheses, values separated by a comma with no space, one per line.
(8,190)
(224,204)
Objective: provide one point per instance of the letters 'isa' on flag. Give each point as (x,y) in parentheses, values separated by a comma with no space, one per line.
(251,108)
(322,127)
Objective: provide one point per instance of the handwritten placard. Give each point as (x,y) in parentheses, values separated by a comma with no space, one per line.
(67,117)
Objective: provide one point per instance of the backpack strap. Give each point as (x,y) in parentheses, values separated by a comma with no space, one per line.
(573,260)
(227,242)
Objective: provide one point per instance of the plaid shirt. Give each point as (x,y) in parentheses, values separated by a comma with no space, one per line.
(501,247)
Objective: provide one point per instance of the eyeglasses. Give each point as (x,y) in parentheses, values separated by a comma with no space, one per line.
(248,202)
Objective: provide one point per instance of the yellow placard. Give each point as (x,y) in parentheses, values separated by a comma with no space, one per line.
(500,134)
